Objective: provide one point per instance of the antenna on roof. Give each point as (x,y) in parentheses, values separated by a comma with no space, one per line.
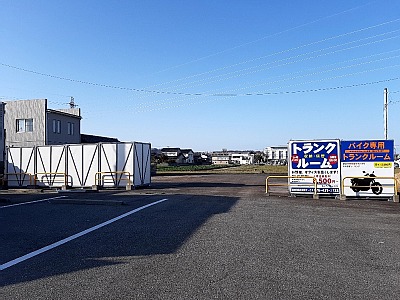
(72,103)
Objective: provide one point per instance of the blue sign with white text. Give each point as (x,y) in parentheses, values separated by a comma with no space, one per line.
(314,155)
(368,151)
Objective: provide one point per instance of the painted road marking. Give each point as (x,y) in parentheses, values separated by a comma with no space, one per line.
(30,202)
(73,237)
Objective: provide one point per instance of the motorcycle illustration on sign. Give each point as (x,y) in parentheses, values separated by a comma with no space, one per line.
(365,183)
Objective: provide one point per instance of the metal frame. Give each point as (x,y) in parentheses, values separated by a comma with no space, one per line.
(99,177)
(49,174)
(5,177)
(267,184)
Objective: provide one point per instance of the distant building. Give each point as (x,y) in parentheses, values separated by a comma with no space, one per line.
(94,139)
(178,156)
(221,158)
(202,158)
(242,158)
(232,157)
(276,155)
(31,123)
(189,155)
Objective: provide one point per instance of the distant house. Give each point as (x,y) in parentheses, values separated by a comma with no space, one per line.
(189,155)
(171,152)
(31,123)
(178,155)
(202,158)
(174,155)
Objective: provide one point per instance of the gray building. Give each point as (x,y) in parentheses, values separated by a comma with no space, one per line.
(31,123)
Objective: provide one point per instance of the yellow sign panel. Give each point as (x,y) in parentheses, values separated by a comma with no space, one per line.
(383,165)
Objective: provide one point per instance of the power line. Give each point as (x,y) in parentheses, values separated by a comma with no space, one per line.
(92,83)
(291,49)
(231,94)
(147,104)
(267,93)
(240,72)
(124,88)
(225,96)
(255,69)
(235,72)
(266,37)
(220,96)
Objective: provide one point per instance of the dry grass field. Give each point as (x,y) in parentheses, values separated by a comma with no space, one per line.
(249,169)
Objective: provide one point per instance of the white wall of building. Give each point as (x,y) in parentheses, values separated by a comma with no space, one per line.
(276,153)
(242,158)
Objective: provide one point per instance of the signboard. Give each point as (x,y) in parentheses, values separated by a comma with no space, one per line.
(363,165)
(319,159)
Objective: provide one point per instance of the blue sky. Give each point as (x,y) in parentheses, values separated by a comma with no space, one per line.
(208,75)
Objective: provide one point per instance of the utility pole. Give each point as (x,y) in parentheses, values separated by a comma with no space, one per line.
(385,112)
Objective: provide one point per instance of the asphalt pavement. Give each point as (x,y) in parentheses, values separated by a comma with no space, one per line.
(197,237)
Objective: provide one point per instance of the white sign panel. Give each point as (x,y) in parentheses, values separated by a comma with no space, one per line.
(368,168)
(314,160)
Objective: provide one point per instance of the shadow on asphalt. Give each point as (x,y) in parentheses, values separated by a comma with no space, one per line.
(159,230)
(164,185)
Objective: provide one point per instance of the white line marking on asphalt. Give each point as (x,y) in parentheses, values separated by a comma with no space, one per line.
(73,237)
(30,202)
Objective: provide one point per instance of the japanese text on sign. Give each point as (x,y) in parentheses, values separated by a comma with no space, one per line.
(314,155)
(367,150)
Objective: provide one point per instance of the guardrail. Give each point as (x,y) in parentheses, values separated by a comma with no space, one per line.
(45,174)
(314,183)
(395,197)
(99,177)
(6,177)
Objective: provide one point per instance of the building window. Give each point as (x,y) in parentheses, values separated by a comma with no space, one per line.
(24,125)
(56,126)
(70,128)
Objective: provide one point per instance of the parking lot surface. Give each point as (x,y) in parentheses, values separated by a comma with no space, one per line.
(196,237)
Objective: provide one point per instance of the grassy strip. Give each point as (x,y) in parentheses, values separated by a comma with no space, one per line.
(190,168)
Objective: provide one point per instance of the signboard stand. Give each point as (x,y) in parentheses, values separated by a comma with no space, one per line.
(317,161)
(367,169)
(344,169)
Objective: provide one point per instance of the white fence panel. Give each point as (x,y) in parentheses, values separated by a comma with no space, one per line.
(116,164)
(50,165)
(125,164)
(108,165)
(82,164)
(20,166)
(142,164)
